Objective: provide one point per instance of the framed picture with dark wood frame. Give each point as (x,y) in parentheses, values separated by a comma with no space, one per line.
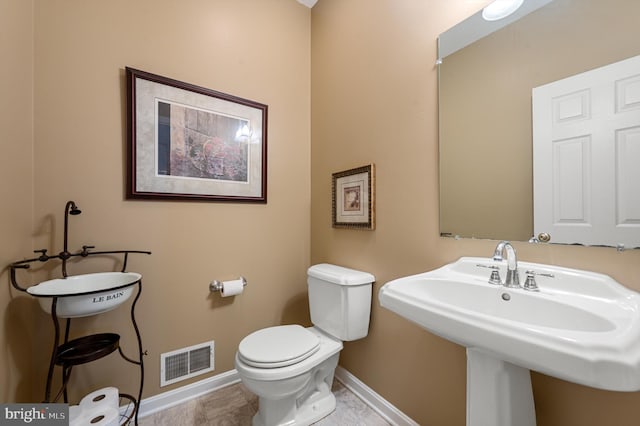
(186,142)
(353,198)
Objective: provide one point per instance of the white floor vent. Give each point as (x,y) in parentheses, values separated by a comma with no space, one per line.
(186,363)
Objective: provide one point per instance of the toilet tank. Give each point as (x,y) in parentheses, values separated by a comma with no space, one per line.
(340,300)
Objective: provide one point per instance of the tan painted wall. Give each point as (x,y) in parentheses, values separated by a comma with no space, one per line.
(16,193)
(374,100)
(255,50)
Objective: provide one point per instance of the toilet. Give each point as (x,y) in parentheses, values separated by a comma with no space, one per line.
(291,367)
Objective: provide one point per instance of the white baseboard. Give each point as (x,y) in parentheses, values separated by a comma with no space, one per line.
(177,396)
(182,394)
(377,403)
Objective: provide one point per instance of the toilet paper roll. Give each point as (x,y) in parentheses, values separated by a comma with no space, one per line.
(99,417)
(75,413)
(102,398)
(232,288)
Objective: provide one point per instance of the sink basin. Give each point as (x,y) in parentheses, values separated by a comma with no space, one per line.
(87,294)
(488,302)
(581,326)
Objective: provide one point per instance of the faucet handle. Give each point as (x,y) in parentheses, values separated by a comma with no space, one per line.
(495,277)
(541,274)
(495,273)
(43,255)
(530,283)
(85,250)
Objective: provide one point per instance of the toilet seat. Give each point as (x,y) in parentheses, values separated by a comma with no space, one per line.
(278,346)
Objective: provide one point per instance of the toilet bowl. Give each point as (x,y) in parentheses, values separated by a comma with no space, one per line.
(295,393)
(290,367)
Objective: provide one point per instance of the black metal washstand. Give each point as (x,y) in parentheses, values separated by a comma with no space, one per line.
(70,353)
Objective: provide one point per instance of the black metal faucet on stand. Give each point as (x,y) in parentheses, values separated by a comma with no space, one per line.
(88,348)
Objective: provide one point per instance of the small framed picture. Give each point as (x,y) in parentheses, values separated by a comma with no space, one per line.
(353,198)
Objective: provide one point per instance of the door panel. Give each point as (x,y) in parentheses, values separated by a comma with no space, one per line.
(586,157)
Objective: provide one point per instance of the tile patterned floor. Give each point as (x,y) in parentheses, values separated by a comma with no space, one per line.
(235,406)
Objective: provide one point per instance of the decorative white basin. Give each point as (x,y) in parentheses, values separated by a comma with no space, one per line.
(581,326)
(84,295)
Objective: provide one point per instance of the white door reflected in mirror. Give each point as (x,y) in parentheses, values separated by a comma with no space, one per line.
(586,151)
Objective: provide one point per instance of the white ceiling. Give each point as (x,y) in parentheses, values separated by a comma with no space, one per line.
(308,3)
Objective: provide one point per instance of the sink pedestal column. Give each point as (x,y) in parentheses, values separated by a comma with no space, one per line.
(498,392)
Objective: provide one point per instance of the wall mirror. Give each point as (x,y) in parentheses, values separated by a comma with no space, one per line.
(485,108)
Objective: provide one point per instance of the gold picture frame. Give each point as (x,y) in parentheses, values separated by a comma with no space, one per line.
(353,198)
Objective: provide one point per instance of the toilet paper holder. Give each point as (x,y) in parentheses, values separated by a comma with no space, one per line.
(216,285)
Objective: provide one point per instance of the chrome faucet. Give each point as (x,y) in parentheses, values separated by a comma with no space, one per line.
(512,280)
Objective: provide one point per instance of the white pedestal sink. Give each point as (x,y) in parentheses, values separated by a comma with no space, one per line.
(498,392)
(581,326)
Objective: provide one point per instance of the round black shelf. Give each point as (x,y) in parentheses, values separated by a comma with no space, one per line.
(87,349)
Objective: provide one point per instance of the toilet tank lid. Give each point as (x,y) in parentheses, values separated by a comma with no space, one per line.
(339,274)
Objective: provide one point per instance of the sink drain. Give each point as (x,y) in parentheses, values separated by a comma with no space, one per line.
(506,296)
